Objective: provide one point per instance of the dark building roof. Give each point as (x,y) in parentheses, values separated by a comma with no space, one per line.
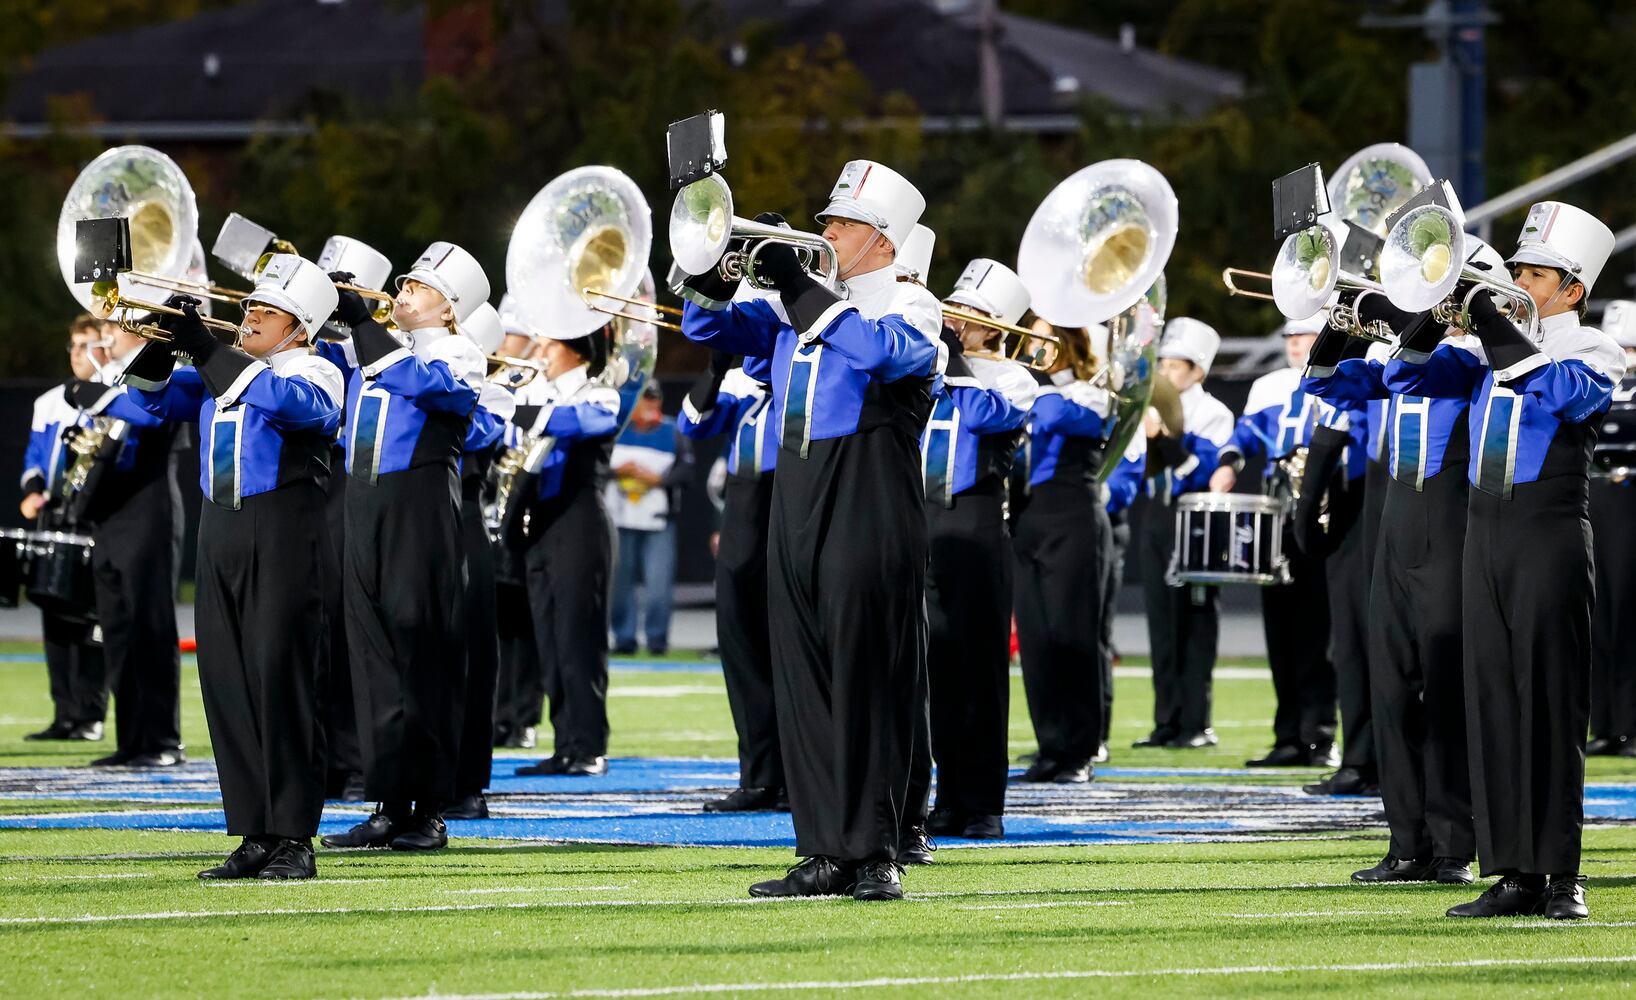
(232,72)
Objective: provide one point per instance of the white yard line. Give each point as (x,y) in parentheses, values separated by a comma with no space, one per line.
(1023,977)
(1317,913)
(1046,906)
(535,888)
(74,878)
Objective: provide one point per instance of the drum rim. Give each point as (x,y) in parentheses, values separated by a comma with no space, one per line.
(1232,503)
(64,537)
(1223,577)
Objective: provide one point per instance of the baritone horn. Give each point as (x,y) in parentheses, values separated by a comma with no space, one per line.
(704,231)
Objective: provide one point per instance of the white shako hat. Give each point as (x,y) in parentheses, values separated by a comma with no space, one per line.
(1191,340)
(1557,234)
(914,259)
(297,286)
(483,328)
(511,321)
(1098,334)
(877,195)
(1313,324)
(1619,322)
(992,287)
(369,267)
(455,273)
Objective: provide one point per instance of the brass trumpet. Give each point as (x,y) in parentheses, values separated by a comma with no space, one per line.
(1026,347)
(106,300)
(514,373)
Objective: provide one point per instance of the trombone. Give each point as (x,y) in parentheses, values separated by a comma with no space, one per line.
(1230,274)
(634,314)
(703,229)
(1020,344)
(106,300)
(1344,316)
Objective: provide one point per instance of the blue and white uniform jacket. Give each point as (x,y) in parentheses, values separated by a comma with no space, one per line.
(971,435)
(413,406)
(572,419)
(741,408)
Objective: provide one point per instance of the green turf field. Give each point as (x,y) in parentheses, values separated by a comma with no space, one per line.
(120,913)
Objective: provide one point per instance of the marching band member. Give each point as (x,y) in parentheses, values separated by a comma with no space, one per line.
(79,692)
(967,448)
(734,399)
(1416,686)
(1183,623)
(1119,490)
(495,406)
(1277,422)
(1528,578)
(136,520)
(568,546)
(1613,515)
(1059,562)
(351,262)
(408,408)
(267,411)
(847,536)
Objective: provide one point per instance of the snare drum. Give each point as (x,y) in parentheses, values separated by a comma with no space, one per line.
(13,560)
(1229,538)
(59,579)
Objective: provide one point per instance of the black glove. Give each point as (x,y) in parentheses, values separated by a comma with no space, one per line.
(1505,345)
(708,290)
(721,362)
(351,308)
(771,219)
(951,340)
(1167,449)
(1328,350)
(1463,287)
(702,394)
(1324,454)
(188,334)
(778,265)
(83,394)
(371,342)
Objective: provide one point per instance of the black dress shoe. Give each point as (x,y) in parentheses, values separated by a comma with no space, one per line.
(915,846)
(376,831)
(1323,755)
(1395,869)
(55,731)
(1041,770)
(1601,746)
(470,807)
(945,821)
(1506,898)
(425,831)
(90,732)
(1194,741)
(814,876)
(550,765)
(354,789)
(1157,738)
(159,758)
(1284,755)
(744,800)
(1452,871)
(1346,781)
(1624,746)
(983,828)
(624,649)
(291,859)
(246,861)
(585,767)
(1073,774)
(878,880)
(119,758)
(521,739)
(1101,753)
(1565,899)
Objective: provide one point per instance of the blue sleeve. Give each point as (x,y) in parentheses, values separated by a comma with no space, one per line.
(1354,381)
(1449,373)
(1250,436)
(1571,390)
(889,348)
(719,419)
(1206,455)
(430,386)
(38,453)
(986,411)
(180,400)
(483,432)
(293,403)
(1123,483)
(581,420)
(1055,414)
(749,328)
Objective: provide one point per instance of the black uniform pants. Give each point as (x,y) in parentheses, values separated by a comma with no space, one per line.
(1613,638)
(1183,628)
(405,576)
(1417,684)
(1295,617)
(847,607)
(520,690)
(742,630)
(262,651)
(1116,544)
(1528,587)
(968,660)
(74,668)
(569,561)
(476,760)
(339,708)
(1347,577)
(134,565)
(1059,608)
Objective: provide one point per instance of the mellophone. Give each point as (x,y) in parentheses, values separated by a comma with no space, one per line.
(53,568)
